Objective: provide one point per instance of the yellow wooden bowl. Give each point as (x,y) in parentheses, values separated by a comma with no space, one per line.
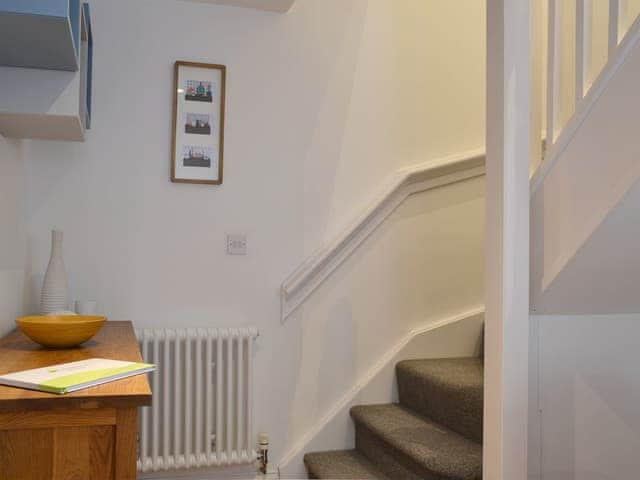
(60,331)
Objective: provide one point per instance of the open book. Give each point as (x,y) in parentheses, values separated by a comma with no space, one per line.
(69,377)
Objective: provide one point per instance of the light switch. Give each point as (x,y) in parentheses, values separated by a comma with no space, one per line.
(236,244)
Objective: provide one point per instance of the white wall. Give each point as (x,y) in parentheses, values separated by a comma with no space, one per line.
(13,252)
(589,393)
(323,105)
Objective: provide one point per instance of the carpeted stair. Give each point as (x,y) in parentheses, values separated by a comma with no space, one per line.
(434,433)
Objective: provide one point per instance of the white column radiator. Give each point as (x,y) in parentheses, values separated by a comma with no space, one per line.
(202,412)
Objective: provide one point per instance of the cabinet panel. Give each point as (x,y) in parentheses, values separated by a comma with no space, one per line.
(68,453)
(26,454)
(101,461)
(71,453)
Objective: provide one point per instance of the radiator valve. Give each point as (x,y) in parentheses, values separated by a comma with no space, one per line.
(263,452)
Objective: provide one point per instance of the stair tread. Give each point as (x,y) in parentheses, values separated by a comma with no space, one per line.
(434,448)
(447,390)
(341,464)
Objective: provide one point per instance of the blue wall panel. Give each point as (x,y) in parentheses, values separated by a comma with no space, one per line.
(54,8)
(74,18)
(40,33)
(87,19)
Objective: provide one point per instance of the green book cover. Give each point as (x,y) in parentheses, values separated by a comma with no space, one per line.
(69,377)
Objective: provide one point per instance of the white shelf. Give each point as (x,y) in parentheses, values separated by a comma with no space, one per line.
(281,6)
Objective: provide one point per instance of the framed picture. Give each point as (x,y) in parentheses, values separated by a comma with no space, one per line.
(198,123)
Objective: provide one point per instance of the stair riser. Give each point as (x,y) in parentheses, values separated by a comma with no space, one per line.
(341,464)
(458,409)
(393,463)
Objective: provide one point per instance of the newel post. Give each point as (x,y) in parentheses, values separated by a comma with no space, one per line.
(507,239)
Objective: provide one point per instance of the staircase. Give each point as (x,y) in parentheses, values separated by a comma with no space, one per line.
(434,432)
(586,193)
(585,257)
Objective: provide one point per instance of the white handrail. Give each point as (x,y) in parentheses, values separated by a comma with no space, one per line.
(314,270)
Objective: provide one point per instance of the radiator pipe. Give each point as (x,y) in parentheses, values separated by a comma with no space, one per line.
(263,452)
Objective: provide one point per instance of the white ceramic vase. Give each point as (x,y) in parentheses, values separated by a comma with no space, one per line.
(55,288)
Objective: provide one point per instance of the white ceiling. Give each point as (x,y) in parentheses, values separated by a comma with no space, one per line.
(281,6)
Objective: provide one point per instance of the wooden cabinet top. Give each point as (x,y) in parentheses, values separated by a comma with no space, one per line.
(116,340)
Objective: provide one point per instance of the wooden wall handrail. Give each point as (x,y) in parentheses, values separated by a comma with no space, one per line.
(419,178)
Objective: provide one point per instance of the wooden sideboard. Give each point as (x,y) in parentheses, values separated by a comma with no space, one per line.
(86,435)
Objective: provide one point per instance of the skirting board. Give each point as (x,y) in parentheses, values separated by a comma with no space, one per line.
(217,473)
(456,336)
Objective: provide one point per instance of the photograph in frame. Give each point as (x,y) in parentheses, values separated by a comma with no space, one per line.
(198,123)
